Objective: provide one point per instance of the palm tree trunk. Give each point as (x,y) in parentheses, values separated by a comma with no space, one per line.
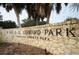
(48,16)
(47,21)
(17,15)
(36,21)
(18,20)
(48,10)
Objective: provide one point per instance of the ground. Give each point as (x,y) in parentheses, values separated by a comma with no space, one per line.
(21,49)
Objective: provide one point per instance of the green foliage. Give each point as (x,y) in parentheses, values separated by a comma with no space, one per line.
(1,23)
(72,20)
(69,19)
(7,24)
(28,23)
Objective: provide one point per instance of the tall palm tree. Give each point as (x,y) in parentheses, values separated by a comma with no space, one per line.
(17,8)
(35,10)
(1,17)
(39,11)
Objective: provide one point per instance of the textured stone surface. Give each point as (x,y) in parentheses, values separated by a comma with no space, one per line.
(21,49)
(46,37)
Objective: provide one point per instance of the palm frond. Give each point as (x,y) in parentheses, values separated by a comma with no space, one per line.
(74,7)
(66,4)
(58,7)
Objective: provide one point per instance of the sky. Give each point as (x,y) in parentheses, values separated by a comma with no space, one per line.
(65,13)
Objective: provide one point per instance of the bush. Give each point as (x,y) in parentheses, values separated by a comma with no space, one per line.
(32,23)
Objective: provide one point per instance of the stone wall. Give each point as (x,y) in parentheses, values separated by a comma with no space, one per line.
(0,34)
(57,39)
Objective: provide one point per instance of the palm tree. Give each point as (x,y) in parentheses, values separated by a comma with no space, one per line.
(17,8)
(74,6)
(39,11)
(1,17)
(36,11)
(42,10)
(58,7)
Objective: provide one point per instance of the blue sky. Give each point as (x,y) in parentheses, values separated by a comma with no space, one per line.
(66,12)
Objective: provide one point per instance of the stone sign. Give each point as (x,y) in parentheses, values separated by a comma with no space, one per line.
(57,39)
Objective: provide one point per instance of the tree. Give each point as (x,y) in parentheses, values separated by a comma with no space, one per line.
(39,11)
(42,10)
(36,11)
(58,7)
(1,17)
(18,7)
(27,23)
(74,6)
(1,23)
(8,24)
